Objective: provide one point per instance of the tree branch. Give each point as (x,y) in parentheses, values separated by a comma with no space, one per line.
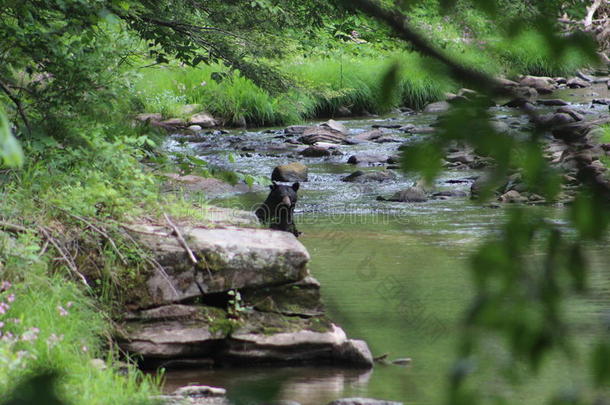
(18,104)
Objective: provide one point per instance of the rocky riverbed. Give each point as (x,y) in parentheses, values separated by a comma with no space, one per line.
(347,167)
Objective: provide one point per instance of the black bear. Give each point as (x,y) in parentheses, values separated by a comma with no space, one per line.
(278,208)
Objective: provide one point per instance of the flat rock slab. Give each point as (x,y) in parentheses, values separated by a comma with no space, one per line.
(171,339)
(231,258)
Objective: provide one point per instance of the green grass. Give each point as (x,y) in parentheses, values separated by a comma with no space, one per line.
(530,54)
(50,324)
(323,86)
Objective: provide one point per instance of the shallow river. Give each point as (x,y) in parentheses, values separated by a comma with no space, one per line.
(394,274)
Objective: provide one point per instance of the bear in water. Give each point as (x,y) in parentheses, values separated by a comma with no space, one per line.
(278,208)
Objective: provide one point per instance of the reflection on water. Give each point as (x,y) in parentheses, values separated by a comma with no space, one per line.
(306,385)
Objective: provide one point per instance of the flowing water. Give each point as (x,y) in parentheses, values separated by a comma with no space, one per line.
(394,274)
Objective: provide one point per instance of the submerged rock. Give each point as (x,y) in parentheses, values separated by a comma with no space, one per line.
(367,158)
(316,151)
(411,194)
(363,401)
(291,172)
(365,177)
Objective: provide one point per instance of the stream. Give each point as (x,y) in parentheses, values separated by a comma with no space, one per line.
(394,274)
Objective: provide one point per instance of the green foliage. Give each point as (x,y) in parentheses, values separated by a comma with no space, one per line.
(10,150)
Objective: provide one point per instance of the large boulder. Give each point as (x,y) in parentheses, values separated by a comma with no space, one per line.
(369,135)
(231,258)
(291,172)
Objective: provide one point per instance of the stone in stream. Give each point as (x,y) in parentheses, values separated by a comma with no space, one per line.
(335,126)
(387,126)
(556,119)
(577,83)
(251,344)
(200,391)
(512,196)
(368,135)
(552,102)
(365,177)
(203,119)
(543,85)
(602,101)
(411,194)
(572,113)
(387,139)
(291,172)
(437,107)
(363,401)
(316,151)
(316,134)
(367,158)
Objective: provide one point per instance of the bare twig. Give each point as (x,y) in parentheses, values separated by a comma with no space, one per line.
(101,231)
(154,263)
(18,104)
(63,253)
(13,228)
(181,240)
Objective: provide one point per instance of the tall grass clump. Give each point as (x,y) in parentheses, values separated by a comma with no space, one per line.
(530,53)
(224,94)
(355,82)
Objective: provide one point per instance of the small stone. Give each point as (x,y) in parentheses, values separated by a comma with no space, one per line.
(316,151)
(198,391)
(363,401)
(437,107)
(402,361)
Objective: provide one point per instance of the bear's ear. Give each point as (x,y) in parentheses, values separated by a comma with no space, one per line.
(296,186)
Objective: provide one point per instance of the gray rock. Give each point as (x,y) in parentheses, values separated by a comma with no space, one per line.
(171,339)
(335,126)
(368,135)
(149,117)
(577,83)
(200,391)
(363,401)
(233,258)
(313,135)
(602,101)
(291,172)
(203,119)
(512,196)
(296,129)
(576,115)
(367,158)
(411,194)
(552,102)
(528,93)
(166,312)
(316,151)
(402,362)
(356,353)
(296,299)
(299,346)
(437,107)
(195,128)
(543,85)
(365,177)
